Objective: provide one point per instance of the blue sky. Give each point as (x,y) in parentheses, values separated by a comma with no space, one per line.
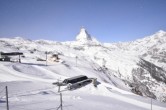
(61,20)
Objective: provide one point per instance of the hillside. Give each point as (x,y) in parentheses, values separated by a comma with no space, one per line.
(122,70)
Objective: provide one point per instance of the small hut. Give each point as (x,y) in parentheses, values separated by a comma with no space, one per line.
(6,56)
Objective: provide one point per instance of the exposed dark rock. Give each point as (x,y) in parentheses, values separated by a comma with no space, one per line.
(79,48)
(155,71)
(40,59)
(139,86)
(162,60)
(138,74)
(142,90)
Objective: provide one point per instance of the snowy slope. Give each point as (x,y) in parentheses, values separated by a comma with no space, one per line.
(121,68)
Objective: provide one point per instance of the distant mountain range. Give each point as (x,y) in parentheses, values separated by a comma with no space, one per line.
(140,64)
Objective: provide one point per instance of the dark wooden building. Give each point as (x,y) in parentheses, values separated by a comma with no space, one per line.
(6,56)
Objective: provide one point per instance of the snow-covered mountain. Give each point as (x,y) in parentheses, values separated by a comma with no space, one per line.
(83,36)
(121,68)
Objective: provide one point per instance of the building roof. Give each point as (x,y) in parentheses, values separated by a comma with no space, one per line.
(76,77)
(11,53)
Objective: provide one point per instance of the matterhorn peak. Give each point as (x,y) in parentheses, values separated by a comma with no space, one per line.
(84,38)
(83,35)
